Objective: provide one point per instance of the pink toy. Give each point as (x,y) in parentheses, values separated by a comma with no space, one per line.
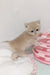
(42,52)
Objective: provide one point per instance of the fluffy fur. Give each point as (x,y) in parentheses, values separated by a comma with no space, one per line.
(27,38)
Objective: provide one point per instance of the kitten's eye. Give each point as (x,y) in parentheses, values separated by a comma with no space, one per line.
(32,31)
(37,29)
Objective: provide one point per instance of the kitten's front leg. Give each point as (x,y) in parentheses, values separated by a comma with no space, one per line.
(36,43)
(16,55)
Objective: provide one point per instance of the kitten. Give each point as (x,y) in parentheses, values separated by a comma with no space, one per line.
(27,38)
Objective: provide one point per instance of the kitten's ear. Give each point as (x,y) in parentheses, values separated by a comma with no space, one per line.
(26,25)
(38,22)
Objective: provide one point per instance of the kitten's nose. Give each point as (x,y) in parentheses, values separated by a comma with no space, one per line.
(35,33)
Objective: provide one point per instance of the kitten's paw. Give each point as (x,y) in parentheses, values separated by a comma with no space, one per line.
(14,57)
(37,44)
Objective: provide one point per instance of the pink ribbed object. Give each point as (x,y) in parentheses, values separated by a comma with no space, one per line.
(42,52)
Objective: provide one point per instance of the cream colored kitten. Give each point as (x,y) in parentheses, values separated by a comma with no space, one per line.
(27,38)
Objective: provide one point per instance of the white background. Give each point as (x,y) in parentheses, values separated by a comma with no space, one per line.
(14,13)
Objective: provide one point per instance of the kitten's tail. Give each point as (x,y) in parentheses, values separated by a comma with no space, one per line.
(6,42)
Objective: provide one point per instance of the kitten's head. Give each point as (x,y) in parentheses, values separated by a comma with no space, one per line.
(33,28)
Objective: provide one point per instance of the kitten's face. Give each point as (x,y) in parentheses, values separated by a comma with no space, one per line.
(33,28)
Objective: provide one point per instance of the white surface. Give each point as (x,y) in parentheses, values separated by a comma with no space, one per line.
(23,66)
(42,69)
(13,15)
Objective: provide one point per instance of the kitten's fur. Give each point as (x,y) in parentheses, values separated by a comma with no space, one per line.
(27,38)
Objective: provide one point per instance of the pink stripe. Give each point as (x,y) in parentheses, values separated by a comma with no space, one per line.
(42,61)
(42,52)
